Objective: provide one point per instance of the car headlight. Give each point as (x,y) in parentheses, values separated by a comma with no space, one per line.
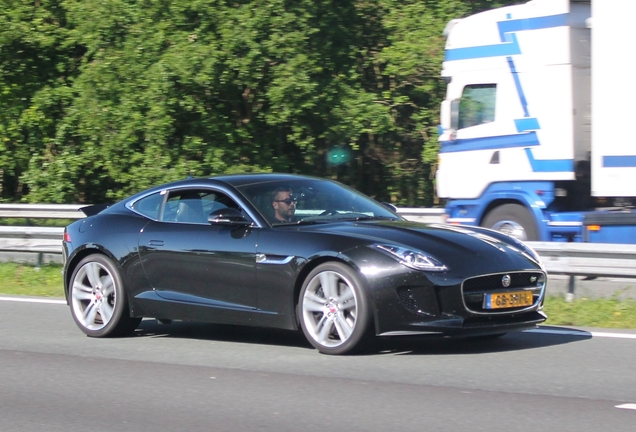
(412,258)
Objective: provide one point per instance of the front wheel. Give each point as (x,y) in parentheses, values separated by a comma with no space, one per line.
(97,299)
(334,312)
(514,220)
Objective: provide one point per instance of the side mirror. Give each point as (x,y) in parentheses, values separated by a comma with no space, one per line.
(454,114)
(228,216)
(449,119)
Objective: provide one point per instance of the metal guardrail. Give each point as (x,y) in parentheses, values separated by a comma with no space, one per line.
(573,259)
(588,259)
(31,239)
(41,211)
(35,239)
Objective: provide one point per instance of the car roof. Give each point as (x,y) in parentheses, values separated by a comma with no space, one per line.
(232,180)
(256,178)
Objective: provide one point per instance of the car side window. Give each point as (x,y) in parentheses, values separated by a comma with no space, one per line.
(194,205)
(149,206)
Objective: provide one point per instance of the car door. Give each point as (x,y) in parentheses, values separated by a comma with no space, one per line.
(187,259)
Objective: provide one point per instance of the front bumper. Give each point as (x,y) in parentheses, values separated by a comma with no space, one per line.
(420,303)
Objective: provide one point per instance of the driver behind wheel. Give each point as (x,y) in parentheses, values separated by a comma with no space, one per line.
(284,205)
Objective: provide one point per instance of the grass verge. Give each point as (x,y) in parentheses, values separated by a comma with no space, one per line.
(604,313)
(26,280)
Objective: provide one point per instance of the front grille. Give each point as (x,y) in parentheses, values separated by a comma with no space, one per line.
(475,289)
(493,282)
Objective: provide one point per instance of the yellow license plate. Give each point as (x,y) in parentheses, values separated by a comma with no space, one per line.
(508,300)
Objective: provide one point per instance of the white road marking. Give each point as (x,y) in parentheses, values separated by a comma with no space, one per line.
(631,406)
(583,333)
(33,300)
(614,335)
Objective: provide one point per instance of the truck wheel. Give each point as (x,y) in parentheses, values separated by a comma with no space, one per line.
(514,220)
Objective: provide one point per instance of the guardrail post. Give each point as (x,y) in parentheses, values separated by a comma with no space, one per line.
(570,294)
(40,261)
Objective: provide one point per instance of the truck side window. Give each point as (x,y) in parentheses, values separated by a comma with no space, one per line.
(477,105)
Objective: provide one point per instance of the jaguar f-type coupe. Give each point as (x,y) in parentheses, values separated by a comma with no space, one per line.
(293,252)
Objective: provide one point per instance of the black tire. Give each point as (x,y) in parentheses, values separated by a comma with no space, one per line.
(98,300)
(514,220)
(333,310)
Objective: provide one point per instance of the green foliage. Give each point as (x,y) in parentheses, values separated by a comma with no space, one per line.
(21,279)
(103,98)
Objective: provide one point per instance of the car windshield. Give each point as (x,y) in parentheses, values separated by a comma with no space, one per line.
(314,201)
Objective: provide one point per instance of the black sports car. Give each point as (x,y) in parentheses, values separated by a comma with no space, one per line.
(287,251)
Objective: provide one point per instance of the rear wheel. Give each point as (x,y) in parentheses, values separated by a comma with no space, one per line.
(97,299)
(334,312)
(514,220)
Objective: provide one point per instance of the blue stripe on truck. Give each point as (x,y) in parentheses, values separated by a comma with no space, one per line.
(550,165)
(490,143)
(619,161)
(535,23)
(510,45)
(527,124)
(498,50)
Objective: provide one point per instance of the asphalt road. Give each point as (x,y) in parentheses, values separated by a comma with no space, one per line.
(194,377)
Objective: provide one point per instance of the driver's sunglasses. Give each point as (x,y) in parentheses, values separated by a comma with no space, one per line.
(287,201)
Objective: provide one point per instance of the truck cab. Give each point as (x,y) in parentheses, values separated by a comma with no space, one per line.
(516,139)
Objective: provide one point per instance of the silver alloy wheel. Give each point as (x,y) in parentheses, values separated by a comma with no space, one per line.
(93,295)
(329,308)
(512,228)
(513,219)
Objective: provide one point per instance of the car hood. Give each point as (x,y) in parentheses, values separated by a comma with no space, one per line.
(447,243)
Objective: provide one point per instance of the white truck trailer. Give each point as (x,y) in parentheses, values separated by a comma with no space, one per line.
(535,134)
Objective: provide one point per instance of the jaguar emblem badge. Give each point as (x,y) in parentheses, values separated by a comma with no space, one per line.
(505,281)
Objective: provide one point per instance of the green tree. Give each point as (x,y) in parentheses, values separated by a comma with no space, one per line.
(37,66)
(102,98)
